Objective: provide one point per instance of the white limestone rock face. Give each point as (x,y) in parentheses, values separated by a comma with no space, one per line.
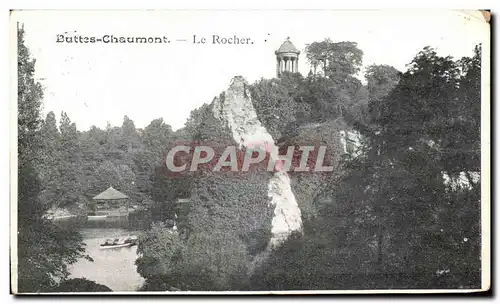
(287,217)
(237,111)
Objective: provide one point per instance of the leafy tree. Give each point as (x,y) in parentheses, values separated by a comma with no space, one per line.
(81,285)
(274,102)
(156,136)
(195,120)
(206,261)
(391,205)
(50,156)
(120,176)
(283,105)
(381,80)
(462,142)
(44,250)
(69,165)
(129,139)
(404,175)
(93,154)
(338,92)
(337,60)
(228,223)
(144,162)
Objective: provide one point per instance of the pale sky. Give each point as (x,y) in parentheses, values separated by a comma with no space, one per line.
(100,83)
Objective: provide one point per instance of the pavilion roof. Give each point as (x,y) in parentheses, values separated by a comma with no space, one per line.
(287,47)
(110,194)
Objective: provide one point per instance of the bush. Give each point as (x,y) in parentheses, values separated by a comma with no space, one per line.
(204,261)
(81,285)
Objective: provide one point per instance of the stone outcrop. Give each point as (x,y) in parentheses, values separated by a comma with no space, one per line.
(235,109)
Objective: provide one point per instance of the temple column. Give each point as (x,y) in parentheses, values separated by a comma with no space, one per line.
(287,55)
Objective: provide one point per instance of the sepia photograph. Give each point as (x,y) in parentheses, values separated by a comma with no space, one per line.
(178,152)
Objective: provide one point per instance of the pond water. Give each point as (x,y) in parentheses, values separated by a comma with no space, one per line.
(114,268)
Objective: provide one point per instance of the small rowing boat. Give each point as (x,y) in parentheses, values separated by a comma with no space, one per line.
(117,243)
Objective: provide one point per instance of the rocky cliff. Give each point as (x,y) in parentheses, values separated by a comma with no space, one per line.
(235,109)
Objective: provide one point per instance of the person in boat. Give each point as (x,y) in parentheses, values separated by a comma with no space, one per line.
(107,243)
(130,240)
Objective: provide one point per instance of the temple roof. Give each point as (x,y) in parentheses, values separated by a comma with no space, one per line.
(287,47)
(110,194)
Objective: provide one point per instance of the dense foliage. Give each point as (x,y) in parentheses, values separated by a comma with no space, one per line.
(386,217)
(81,285)
(211,260)
(228,220)
(393,220)
(44,250)
(401,212)
(78,165)
(60,167)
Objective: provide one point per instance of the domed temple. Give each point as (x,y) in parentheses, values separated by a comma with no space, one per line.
(287,58)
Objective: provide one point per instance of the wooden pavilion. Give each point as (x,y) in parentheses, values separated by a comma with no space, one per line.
(111,202)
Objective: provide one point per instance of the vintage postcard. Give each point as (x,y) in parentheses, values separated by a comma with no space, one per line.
(250,151)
